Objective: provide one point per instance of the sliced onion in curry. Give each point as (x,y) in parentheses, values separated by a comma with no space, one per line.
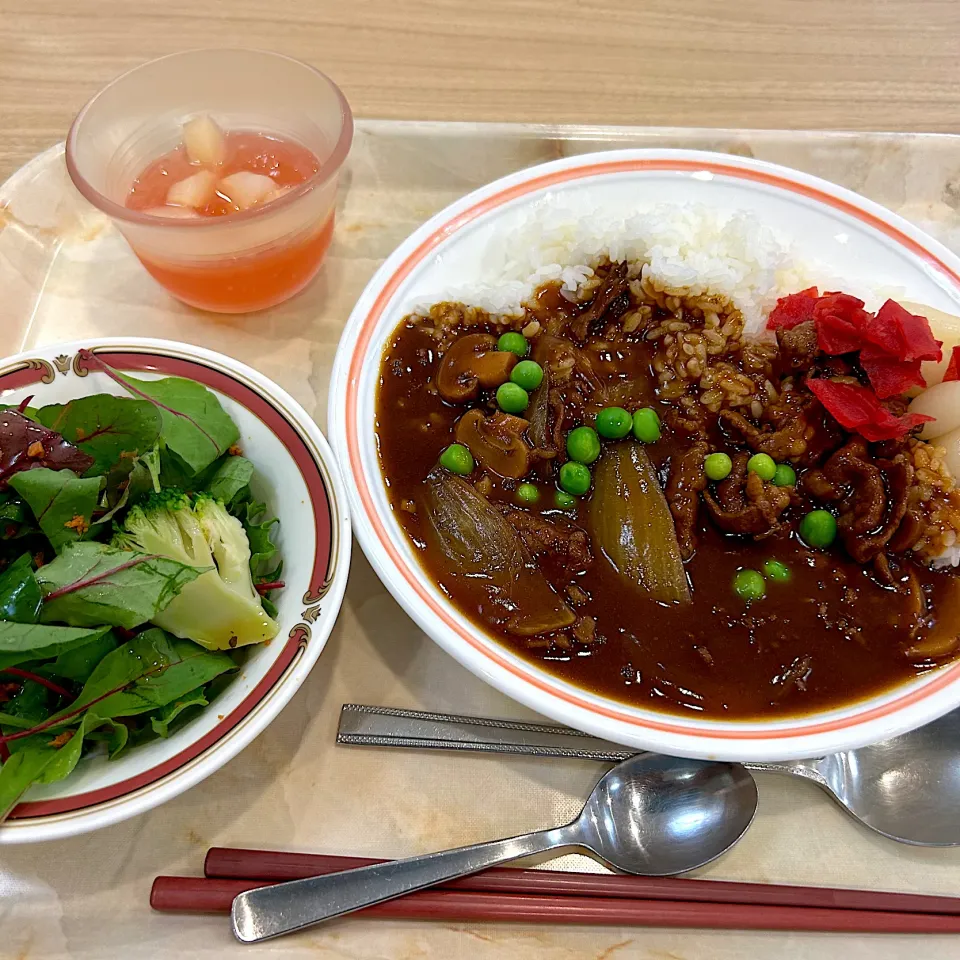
(633,526)
(539,413)
(482,545)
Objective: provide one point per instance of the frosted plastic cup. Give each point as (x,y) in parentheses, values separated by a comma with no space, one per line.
(242,261)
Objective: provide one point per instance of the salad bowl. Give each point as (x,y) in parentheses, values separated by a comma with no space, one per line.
(295,475)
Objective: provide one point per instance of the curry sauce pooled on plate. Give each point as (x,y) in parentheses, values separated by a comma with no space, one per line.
(620,485)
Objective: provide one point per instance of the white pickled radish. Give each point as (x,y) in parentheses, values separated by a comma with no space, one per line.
(942,402)
(951,443)
(196,191)
(945,327)
(173,213)
(245,189)
(204,141)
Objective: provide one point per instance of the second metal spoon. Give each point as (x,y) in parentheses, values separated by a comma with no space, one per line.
(907,788)
(655,816)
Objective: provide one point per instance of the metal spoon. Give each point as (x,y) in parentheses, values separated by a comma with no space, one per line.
(650,815)
(907,788)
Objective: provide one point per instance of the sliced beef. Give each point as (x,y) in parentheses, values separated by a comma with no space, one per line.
(745,504)
(615,285)
(873,495)
(692,422)
(686,482)
(565,544)
(795,428)
(798,347)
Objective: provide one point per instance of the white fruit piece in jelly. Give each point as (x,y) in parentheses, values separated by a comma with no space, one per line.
(196,191)
(173,213)
(204,141)
(245,189)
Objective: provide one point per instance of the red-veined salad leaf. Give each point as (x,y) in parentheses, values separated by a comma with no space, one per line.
(195,426)
(62,503)
(91,584)
(110,429)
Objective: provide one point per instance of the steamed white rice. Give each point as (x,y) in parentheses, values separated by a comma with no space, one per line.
(685,248)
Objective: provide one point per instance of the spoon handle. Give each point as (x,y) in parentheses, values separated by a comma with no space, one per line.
(368,726)
(285,907)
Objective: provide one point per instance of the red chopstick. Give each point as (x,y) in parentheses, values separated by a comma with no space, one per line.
(200,895)
(247,865)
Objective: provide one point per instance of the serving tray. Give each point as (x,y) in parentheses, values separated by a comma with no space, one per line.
(65,273)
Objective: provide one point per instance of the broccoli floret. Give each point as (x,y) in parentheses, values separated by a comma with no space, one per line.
(221,609)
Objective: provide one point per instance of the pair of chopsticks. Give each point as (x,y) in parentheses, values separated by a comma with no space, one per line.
(541,896)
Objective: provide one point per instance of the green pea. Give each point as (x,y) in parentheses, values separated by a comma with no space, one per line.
(527,374)
(775,570)
(818,529)
(749,585)
(583,445)
(563,500)
(717,466)
(457,459)
(514,343)
(512,398)
(784,475)
(528,493)
(646,425)
(574,478)
(762,465)
(614,423)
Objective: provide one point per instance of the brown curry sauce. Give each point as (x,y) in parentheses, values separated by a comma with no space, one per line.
(830,636)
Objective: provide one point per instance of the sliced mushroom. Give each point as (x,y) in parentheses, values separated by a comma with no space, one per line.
(497,442)
(473,362)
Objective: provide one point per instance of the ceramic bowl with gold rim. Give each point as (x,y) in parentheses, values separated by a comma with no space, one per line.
(860,241)
(297,476)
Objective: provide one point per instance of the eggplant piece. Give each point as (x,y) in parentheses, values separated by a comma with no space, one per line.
(632,524)
(481,544)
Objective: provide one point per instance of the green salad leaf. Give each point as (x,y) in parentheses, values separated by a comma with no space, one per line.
(110,429)
(15,721)
(16,518)
(164,717)
(45,757)
(229,479)
(91,584)
(78,662)
(116,736)
(256,525)
(62,503)
(23,642)
(20,595)
(29,706)
(150,671)
(194,425)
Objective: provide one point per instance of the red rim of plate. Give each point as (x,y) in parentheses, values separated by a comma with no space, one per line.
(310,467)
(413,576)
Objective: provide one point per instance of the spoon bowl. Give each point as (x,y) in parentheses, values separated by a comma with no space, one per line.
(649,815)
(660,816)
(906,788)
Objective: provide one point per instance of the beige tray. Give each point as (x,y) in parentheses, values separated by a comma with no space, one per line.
(64,273)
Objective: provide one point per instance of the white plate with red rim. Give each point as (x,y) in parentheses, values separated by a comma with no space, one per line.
(297,476)
(859,239)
